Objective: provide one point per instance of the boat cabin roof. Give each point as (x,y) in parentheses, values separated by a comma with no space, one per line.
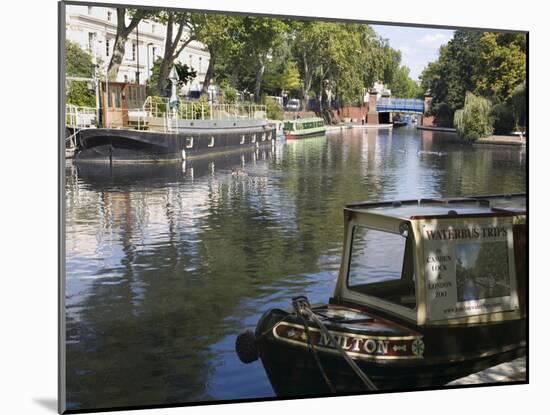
(497,205)
(302,120)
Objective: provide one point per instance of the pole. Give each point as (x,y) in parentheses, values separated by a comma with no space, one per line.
(106,96)
(149,63)
(137,47)
(148,66)
(96,81)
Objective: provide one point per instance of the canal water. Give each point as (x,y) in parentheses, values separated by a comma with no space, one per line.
(167,264)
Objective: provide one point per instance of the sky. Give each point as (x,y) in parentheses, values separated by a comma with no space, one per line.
(418,46)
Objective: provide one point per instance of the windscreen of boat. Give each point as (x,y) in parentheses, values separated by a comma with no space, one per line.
(381,265)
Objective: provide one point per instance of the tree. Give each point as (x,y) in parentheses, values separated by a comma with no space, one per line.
(453,74)
(308,38)
(403,86)
(519,105)
(286,80)
(180,31)
(474,121)
(503,118)
(185,75)
(501,64)
(488,64)
(220,33)
(78,63)
(122,33)
(259,36)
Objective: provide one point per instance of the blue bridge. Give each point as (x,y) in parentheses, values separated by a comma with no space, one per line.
(415,106)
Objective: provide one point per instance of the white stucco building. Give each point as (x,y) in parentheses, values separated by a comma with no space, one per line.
(94,29)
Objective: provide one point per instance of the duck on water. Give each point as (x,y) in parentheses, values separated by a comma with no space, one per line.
(428,291)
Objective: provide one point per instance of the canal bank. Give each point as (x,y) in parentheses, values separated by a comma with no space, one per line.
(493,140)
(503,140)
(347,126)
(513,371)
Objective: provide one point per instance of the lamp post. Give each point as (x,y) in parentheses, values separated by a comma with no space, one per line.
(148,64)
(96,79)
(137,61)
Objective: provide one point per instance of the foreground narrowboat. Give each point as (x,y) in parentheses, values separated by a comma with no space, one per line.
(428,291)
(304,127)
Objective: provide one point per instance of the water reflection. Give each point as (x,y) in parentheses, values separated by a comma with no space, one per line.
(166,264)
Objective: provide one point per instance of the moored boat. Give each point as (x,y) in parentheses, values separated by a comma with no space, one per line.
(304,127)
(428,291)
(153,130)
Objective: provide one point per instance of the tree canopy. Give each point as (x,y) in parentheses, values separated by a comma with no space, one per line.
(490,65)
(78,63)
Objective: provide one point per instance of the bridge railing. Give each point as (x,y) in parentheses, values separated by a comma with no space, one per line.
(400,105)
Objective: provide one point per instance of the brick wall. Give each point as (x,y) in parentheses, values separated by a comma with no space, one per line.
(355,113)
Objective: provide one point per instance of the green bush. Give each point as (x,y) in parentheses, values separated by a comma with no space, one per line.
(443,114)
(158,106)
(199,109)
(229,94)
(474,120)
(519,105)
(80,95)
(274,110)
(503,118)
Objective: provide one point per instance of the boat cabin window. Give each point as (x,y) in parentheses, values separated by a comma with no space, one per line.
(211,143)
(242,139)
(253,139)
(381,265)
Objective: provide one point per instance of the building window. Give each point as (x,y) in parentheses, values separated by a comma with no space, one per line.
(133,51)
(90,9)
(152,28)
(109,15)
(125,78)
(107,44)
(200,65)
(154,52)
(190,61)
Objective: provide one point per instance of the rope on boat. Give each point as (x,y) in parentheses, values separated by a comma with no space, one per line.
(303,309)
(299,311)
(70,138)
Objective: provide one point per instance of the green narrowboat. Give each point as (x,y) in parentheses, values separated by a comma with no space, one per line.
(304,127)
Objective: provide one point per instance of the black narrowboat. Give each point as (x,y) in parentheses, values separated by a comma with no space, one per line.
(428,291)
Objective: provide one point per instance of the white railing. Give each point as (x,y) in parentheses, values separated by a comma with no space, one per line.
(190,110)
(80,117)
(156,113)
